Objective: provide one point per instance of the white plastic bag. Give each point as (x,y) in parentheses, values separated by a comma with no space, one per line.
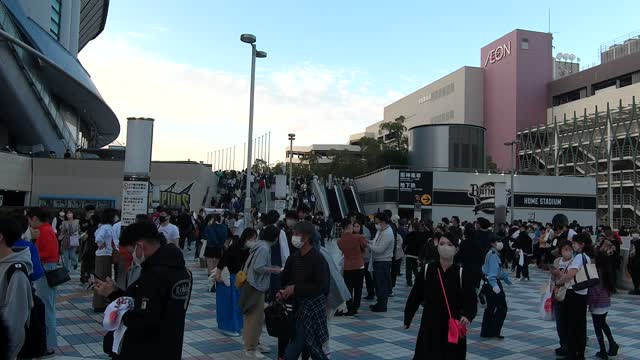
(545,307)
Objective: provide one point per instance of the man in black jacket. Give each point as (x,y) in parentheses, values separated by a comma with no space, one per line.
(416,241)
(472,252)
(155,325)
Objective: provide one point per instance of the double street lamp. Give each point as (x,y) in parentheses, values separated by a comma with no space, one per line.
(513,145)
(255,53)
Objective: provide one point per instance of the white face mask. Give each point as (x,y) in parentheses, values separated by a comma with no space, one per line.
(446,252)
(61,214)
(378,227)
(576,247)
(137,260)
(296,241)
(250,244)
(499,246)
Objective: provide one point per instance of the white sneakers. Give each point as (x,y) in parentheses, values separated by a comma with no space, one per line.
(253,355)
(257,354)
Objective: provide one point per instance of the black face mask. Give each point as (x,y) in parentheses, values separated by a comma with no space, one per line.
(162,219)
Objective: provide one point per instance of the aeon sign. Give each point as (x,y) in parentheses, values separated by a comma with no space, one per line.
(498,53)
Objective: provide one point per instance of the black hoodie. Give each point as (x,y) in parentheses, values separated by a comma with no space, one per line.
(155,327)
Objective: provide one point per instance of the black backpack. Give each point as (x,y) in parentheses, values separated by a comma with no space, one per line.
(35,340)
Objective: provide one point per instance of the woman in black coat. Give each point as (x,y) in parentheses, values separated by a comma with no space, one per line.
(432,342)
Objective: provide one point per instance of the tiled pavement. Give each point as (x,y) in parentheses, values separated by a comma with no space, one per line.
(368,337)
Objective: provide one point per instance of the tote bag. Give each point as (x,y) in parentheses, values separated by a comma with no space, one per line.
(586,277)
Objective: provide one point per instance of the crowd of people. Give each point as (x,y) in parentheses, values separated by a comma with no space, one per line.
(276,270)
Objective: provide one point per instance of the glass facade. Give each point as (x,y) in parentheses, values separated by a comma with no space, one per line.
(54,27)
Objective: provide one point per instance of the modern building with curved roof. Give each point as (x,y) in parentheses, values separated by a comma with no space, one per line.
(49,104)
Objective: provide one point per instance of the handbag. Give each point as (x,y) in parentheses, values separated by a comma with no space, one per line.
(58,276)
(74,240)
(456,329)
(586,277)
(241,276)
(278,320)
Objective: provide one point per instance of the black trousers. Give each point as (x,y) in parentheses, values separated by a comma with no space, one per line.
(353,280)
(368,279)
(411,270)
(396,265)
(635,276)
(602,329)
(574,320)
(495,313)
(524,269)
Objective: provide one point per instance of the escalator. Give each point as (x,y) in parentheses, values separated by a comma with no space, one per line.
(322,202)
(342,201)
(353,200)
(333,205)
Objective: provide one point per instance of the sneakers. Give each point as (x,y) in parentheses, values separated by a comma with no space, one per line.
(263,348)
(602,355)
(253,355)
(231,333)
(561,352)
(613,350)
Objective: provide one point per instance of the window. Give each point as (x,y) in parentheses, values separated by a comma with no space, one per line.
(524,44)
(54,28)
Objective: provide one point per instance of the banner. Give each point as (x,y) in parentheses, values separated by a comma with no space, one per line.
(415,187)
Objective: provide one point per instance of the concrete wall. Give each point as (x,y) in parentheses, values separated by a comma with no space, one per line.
(98,179)
(600,100)
(421,106)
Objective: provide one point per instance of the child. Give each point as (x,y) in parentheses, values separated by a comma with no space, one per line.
(566,256)
(599,301)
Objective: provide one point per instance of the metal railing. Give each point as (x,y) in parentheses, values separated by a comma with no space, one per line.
(22,56)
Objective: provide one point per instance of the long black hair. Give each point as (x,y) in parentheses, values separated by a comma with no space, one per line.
(239,243)
(585,238)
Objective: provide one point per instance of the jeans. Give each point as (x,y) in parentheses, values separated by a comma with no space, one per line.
(368,280)
(353,280)
(557,309)
(495,313)
(48,296)
(382,279)
(600,326)
(411,270)
(70,258)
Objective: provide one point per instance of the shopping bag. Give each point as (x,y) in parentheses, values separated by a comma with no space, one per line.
(545,307)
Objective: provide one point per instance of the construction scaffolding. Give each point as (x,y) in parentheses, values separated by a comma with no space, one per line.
(603,144)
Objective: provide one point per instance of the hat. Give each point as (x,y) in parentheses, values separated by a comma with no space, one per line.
(484,223)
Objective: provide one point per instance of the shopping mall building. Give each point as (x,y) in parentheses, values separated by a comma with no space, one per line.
(562,121)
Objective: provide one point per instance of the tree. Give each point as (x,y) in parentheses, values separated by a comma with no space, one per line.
(396,132)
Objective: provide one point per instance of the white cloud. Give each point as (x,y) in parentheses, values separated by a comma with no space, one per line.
(199,110)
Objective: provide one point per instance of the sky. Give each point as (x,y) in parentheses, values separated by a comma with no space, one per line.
(331,67)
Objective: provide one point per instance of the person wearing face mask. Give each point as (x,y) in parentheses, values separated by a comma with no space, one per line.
(561,263)
(471,251)
(279,253)
(416,240)
(306,280)
(444,294)
(352,246)
(574,307)
(382,251)
(496,310)
(169,230)
(161,294)
(57,221)
(228,313)
(69,236)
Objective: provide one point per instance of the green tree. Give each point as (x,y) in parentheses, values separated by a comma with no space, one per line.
(396,132)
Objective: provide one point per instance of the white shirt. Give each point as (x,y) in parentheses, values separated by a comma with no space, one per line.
(284,247)
(239,227)
(577,263)
(104,237)
(170,232)
(571,234)
(117,228)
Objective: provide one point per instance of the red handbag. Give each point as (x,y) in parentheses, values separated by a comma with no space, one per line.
(456,329)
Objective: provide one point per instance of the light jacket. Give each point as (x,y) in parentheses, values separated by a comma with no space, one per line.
(16,298)
(492,269)
(257,265)
(382,245)
(338,291)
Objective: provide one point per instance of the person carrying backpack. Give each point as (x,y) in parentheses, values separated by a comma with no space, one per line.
(16,295)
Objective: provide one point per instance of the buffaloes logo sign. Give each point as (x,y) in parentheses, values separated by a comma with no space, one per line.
(484,197)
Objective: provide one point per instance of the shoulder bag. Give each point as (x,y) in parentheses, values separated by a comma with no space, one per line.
(58,276)
(586,277)
(456,329)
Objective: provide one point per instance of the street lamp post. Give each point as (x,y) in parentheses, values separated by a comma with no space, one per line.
(250,39)
(291,138)
(513,171)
